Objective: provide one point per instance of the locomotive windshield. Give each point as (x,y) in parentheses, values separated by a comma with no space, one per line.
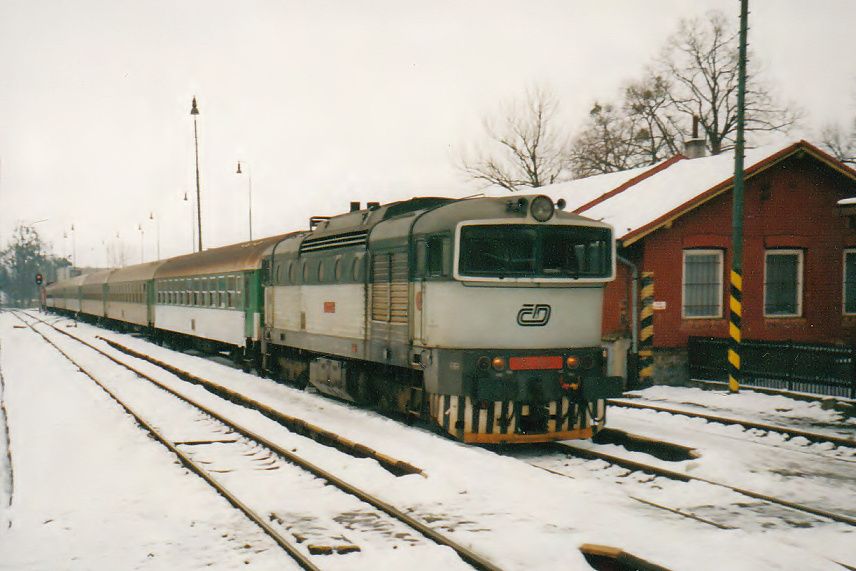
(532,251)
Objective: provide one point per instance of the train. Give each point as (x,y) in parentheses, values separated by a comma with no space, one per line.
(481,315)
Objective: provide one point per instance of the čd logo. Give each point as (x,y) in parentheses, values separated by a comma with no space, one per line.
(533,315)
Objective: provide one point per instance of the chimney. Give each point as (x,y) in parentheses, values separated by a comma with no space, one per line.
(355,206)
(694,147)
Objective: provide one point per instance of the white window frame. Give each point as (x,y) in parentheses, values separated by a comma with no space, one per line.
(779,252)
(844,281)
(721,257)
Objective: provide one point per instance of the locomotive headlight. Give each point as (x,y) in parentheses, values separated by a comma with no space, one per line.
(572,362)
(542,208)
(498,363)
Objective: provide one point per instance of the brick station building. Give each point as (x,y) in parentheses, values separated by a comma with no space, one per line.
(673,225)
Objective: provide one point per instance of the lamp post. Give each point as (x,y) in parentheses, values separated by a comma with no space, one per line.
(142,232)
(192,225)
(157,226)
(194,111)
(73,247)
(250,198)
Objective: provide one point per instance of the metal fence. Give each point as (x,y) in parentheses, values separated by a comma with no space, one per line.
(821,369)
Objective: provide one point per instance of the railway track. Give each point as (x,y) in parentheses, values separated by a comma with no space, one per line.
(229,457)
(637,466)
(814,437)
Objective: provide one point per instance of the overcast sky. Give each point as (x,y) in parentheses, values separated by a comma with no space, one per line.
(325,101)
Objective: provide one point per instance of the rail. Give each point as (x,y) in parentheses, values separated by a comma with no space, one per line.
(466,554)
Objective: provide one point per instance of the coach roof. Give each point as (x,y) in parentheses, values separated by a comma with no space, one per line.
(234,258)
(135,273)
(97,278)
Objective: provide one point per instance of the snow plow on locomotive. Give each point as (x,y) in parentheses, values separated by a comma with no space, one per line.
(482,314)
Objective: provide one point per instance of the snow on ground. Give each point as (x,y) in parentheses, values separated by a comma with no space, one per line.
(92,491)
(514,514)
(814,416)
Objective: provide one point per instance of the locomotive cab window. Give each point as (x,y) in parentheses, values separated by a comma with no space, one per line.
(436,249)
(531,251)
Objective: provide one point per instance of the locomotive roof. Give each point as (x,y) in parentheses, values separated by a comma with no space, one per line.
(135,273)
(426,214)
(447,217)
(370,217)
(233,258)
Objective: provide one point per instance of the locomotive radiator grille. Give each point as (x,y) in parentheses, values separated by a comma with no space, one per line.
(499,422)
(389,294)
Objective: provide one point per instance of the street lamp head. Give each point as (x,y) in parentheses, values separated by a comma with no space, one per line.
(239,168)
(151,215)
(194,110)
(185,196)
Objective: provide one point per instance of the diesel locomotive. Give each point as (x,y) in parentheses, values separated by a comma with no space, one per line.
(482,314)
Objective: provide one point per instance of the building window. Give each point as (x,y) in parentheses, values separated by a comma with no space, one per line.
(783,283)
(850,282)
(702,284)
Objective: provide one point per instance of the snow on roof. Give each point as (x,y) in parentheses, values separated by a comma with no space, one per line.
(583,190)
(666,191)
(576,192)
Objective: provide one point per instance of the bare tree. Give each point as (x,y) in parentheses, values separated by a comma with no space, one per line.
(525,146)
(701,60)
(118,253)
(841,144)
(841,141)
(640,131)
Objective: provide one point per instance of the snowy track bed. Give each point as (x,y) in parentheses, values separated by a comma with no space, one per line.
(821,416)
(276,488)
(512,513)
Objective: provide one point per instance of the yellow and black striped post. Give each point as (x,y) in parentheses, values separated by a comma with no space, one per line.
(736,306)
(646,330)
(736,301)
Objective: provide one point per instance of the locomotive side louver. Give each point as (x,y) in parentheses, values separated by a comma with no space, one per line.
(348,239)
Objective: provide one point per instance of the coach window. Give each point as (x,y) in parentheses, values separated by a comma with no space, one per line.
(305,271)
(291,271)
(278,274)
(783,283)
(321,271)
(850,281)
(238,290)
(702,284)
